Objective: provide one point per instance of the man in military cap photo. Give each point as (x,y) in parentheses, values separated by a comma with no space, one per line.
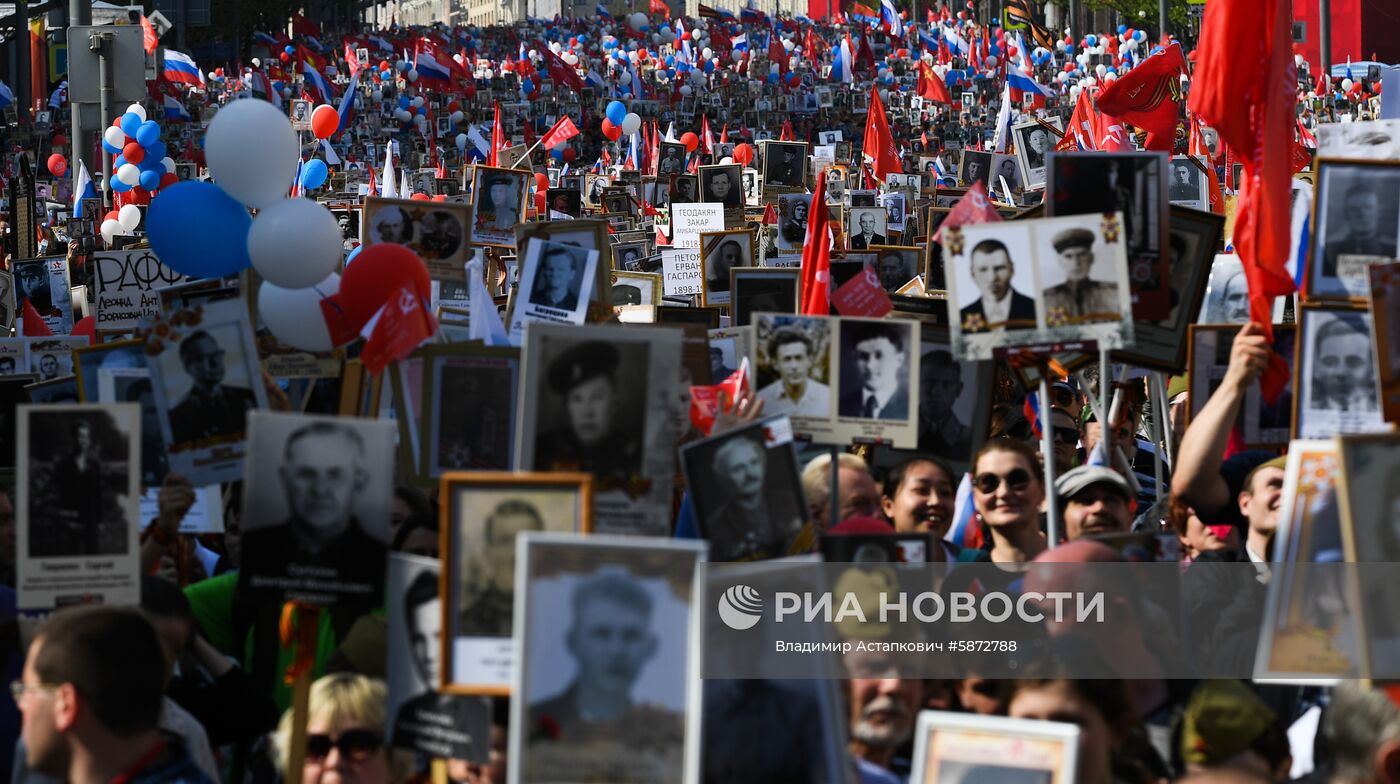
(488,597)
(1080,298)
(211,407)
(584,379)
(499,204)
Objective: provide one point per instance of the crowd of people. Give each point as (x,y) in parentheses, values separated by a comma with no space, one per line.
(212,676)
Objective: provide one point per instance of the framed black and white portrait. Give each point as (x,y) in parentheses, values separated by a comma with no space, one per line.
(204,368)
(896,210)
(685,189)
(468,420)
(436,231)
(498,205)
(896,265)
(672,160)
(1227,292)
(721,252)
(1356,222)
(301,114)
(483,515)
(762,290)
(785,164)
(564,202)
(866,227)
(973,167)
(77,504)
(588,233)
(1033,143)
(722,184)
(1262,425)
(794,369)
(628,256)
(793,209)
(583,708)
(635,288)
(1188,185)
(953,414)
(579,411)
(879,365)
(556,284)
(1336,373)
(52,357)
(44,282)
(316,500)
(747,491)
(1005,169)
(348,219)
(753,193)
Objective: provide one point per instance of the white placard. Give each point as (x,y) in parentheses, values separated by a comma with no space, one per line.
(680,271)
(127,282)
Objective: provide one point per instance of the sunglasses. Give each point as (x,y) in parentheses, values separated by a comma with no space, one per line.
(357,745)
(1067,435)
(1062,397)
(1018,479)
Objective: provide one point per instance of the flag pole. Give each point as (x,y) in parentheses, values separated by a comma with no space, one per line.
(1047,452)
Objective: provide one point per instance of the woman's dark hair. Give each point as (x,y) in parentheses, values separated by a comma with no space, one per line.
(1016,447)
(896,475)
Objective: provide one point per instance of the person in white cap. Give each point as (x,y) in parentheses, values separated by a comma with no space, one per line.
(1094,500)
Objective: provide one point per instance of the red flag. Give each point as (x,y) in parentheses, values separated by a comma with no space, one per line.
(351,59)
(660,7)
(973,207)
(148,35)
(1110,134)
(777,54)
(865,58)
(785,135)
(932,87)
(303,26)
(878,149)
(498,137)
(707,137)
(559,71)
(705,401)
(1149,95)
(862,295)
(562,131)
(1244,88)
(404,323)
(1080,134)
(34,326)
(770,215)
(816,257)
(1196,146)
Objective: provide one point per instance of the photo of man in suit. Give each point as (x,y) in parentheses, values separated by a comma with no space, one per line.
(1000,306)
(1080,298)
(211,407)
(554,282)
(867,221)
(420,719)
(1185,187)
(878,352)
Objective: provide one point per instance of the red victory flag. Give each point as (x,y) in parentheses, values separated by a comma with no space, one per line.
(862,295)
(498,137)
(562,131)
(1149,95)
(660,7)
(816,257)
(403,324)
(931,87)
(777,54)
(973,207)
(559,71)
(351,59)
(303,26)
(1244,89)
(1080,134)
(879,149)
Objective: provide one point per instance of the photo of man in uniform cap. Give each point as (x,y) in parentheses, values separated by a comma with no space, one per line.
(488,599)
(584,379)
(1080,297)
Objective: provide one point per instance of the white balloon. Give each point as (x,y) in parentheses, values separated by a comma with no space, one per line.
(456,117)
(129,173)
(726,160)
(252,152)
(294,243)
(114,136)
(631,123)
(110,229)
(637,20)
(685,89)
(402,65)
(129,216)
(169,164)
(412,75)
(461,142)
(417,101)
(1347,85)
(294,315)
(707,53)
(138,110)
(257,63)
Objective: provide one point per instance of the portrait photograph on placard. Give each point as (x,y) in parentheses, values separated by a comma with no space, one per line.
(1161,344)
(564,201)
(784,164)
(1370,497)
(420,717)
(579,412)
(953,414)
(1336,373)
(469,408)
(482,517)
(316,501)
(498,205)
(720,253)
(793,209)
(636,288)
(866,227)
(627,712)
(729,347)
(1005,167)
(1033,142)
(748,491)
(1227,292)
(878,367)
(1135,184)
(685,189)
(630,255)
(1262,425)
(556,284)
(1385,312)
(721,184)
(760,290)
(52,357)
(1189,186)
(585,233)
(133,385)
(436,231)
(672,159)
(44,282)
(1356,222)
(77,504)
(896,211)
(793,372)
(965,747)
(204,368)
(896,265)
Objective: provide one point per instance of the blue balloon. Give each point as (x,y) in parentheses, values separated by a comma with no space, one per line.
(353,254)
(1091,39)
(1122,29)
(117,163)
(148,133)
(314,173)
(384,75)
(199,230)
(670,60)
(617,112)
(289,49)
(157,150)
(404,102)
(150,180)
(131,123)
(149,164)
(118,185)
(1139,35)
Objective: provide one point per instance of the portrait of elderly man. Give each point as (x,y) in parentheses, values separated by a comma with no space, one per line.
(211,407)
(867,235)
(791,353)
(440,235)
(596,437)
(323,477)
(878,352)
(392,224)
(757,519)
(488,593)
(555,284)
(1080,297)
(727,256)
(611,640)
(992,271)
(1343,375)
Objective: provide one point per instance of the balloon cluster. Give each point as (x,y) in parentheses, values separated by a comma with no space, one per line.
(617,121)
(140,167)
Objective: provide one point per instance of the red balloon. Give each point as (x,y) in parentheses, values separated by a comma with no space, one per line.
(57,165)
(690,140)
(440,197)
(743,154)
(378,273)
(419,197)
(611,131)
(570,154)
(455,106)
(111,215)
(168,179)
(134,152)
(139,195)
(541,181)
(286,58)
(325,121)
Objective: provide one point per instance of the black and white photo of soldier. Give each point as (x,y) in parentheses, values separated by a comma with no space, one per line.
(488,585)
(1185,182)
(722,185)
(596,434)
(785,164)
(672,159)
(748,496)
(211,407)
(792,220)
(78,472)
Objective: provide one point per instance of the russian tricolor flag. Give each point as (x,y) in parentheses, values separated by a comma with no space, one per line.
(428,66)
(965,531)
(82,188)
(347,103)
(1019,79)
(889,17)
(842,66)
(179,67)
(741,42)
(174,110)
(316,84)
(602,11)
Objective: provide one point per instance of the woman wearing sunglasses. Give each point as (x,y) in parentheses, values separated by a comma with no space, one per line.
(345,740)
(1007,491)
